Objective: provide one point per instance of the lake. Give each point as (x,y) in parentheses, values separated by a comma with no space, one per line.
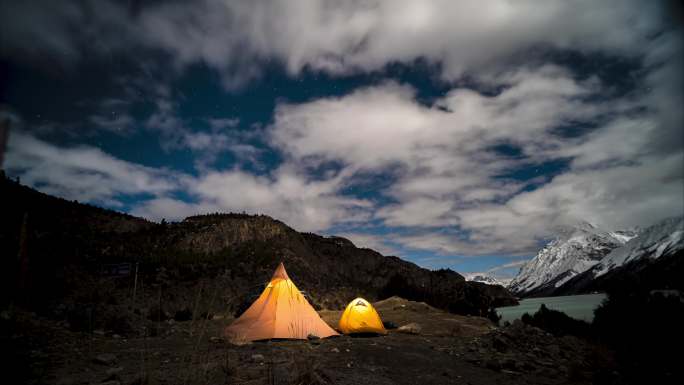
(576,306)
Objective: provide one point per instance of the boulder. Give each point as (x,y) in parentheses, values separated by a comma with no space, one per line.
(411,328)
(105,359)
(258,357)
(114,371)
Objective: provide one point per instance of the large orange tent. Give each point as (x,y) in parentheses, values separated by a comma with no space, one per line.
(281,311)
(361,317)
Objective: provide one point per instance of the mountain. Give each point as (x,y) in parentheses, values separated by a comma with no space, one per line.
(654,260)
(575,250)
(588,259)
(663,238)
(57,257)
(487,279)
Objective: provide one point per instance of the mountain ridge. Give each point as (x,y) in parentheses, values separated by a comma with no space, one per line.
(572,252)
(569,264)
(233,254)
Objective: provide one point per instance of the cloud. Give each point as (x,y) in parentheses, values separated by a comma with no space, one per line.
(116,122)
(450,178)
(208,146)
(450,192)
(88,174)
(84,173)
(505,266)
(178,133)
(238,38)
(222,123)
(286,195)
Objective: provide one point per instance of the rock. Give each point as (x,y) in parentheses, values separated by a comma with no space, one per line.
(215,339)
(105,359)
(510,364)
(554,349)
(314,339)
(114,371)
(411,328)
(67,381)
(493,364)
(6,315)
(99,332)
(116,336)
(335,350)
(183,315)
(258,357)
(499,343)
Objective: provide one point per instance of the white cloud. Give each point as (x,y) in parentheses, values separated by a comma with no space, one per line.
(222,123)
(88,174)
(627,171)
(116,122)
(83,172)
(338,37)
(304,204)
(417,212)
(443,150)
(618,176)
(286,195)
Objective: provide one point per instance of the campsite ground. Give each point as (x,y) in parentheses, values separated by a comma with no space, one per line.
(448,349)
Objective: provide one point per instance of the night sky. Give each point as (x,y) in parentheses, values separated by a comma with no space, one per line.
(449,133)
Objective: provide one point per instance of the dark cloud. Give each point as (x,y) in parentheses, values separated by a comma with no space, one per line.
(462,182)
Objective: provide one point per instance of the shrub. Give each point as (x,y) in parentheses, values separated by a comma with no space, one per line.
(493,316)
(645,330)
(557,323)
(183,315)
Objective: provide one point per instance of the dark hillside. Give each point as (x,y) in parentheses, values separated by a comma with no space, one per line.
(55,255)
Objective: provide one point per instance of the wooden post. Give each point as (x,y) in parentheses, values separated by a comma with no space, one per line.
(4,138)
(135,282)
(23,279)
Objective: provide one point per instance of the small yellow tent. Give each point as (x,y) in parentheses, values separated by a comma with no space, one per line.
(281,311)
(360,317)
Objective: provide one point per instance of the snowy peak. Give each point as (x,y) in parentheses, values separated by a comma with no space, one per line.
(624,235)
(575,250)
(663,238)
(489,280)
(583,253)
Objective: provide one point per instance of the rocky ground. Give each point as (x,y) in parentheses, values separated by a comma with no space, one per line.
(428,347)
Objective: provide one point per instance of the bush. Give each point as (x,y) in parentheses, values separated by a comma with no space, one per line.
(557,323)
(119,323)
(645,330)
(493,316)
(81,318)
(183,315)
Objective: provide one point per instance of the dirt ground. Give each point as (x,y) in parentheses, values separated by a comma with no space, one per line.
(449,349)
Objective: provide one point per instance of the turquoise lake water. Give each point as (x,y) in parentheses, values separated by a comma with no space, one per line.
(576,306)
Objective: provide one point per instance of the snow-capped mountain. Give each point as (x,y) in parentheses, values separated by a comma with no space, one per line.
(576,250)
(663,238)
(489,280)
(578,259)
